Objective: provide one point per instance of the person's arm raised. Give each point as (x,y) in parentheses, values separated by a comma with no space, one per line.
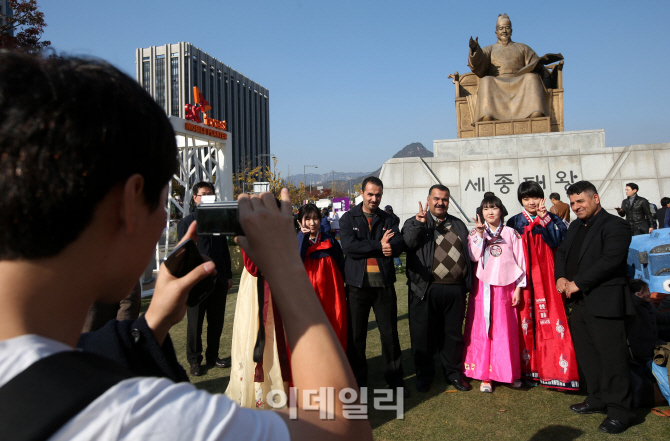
(317,358)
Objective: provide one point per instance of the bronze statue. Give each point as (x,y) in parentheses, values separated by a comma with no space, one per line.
(511,77)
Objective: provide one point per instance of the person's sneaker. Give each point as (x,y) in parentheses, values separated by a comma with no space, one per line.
(195,370)
(517,384)
(486,387)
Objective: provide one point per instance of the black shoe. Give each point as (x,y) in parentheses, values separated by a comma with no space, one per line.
(195,370)
(222,362)
(405,390)
(460,384)
(422,386)
(530,383)
(612,426)
(585,409)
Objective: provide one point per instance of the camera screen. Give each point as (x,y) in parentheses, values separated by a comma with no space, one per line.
(215,219)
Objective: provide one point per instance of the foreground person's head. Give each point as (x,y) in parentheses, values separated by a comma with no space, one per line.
(74,133)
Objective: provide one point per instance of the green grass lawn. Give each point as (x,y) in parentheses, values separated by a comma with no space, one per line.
(506,414)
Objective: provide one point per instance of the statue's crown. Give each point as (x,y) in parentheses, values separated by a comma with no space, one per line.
(503,17)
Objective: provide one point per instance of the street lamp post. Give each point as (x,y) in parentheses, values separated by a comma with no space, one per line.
(304,176)
(332,182)
(266,154)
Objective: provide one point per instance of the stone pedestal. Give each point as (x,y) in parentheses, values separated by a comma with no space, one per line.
(472,166)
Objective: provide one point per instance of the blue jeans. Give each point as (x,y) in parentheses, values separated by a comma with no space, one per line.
(396,261)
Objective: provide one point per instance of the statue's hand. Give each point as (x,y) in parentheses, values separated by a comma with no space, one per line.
(474,44)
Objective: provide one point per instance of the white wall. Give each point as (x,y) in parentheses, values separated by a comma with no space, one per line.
(470,167)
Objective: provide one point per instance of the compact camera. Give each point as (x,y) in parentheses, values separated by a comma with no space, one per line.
(219,219)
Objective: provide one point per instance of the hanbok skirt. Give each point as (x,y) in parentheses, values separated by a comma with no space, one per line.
(329,287)
(242,388)
(493,356)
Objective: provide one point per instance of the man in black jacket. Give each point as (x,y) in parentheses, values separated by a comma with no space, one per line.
(636,210)
(439,275)
(215,247)
(370,240)
(590,268)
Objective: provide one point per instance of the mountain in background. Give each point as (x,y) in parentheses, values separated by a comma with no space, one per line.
(414,149)
(411,150)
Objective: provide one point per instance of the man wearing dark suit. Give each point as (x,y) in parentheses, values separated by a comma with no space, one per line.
(590,268)
(215,247)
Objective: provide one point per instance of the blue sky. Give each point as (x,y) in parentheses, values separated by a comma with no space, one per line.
(352,82)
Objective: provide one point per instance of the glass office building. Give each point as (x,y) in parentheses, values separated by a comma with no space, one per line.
(169,73)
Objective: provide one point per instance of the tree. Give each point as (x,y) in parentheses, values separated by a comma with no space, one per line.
(244,179)
(27,24)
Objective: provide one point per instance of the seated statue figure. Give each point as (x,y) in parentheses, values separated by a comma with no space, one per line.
(510,86)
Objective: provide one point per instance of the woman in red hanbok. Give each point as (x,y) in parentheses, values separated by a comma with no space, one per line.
(547,353)
(324,262)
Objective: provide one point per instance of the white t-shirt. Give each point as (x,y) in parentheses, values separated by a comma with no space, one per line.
(147,408)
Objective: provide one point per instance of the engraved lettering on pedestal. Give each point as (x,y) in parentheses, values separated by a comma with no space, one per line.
(503,180)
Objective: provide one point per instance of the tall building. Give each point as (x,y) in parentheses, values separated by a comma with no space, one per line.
(169,73)
(6,11)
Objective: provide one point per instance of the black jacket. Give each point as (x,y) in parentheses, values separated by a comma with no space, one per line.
(660,216)
(639,215)
(132,344)
(602,274)
(420,244)
(215,247)
(360,243)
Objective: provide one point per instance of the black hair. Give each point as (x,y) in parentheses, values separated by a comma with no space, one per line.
(324,212)
(636,285)
(194,192)
(581,187)
(633,186)
(439,187)
(489,193)
(70,130)
(196,188)
(555,196)
(308,210)
(494,201)
(665,201)
(529,189)
(372,180)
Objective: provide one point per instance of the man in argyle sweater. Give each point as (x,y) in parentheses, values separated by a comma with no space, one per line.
(439,276)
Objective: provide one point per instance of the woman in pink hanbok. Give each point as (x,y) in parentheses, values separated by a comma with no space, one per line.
(491,328)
